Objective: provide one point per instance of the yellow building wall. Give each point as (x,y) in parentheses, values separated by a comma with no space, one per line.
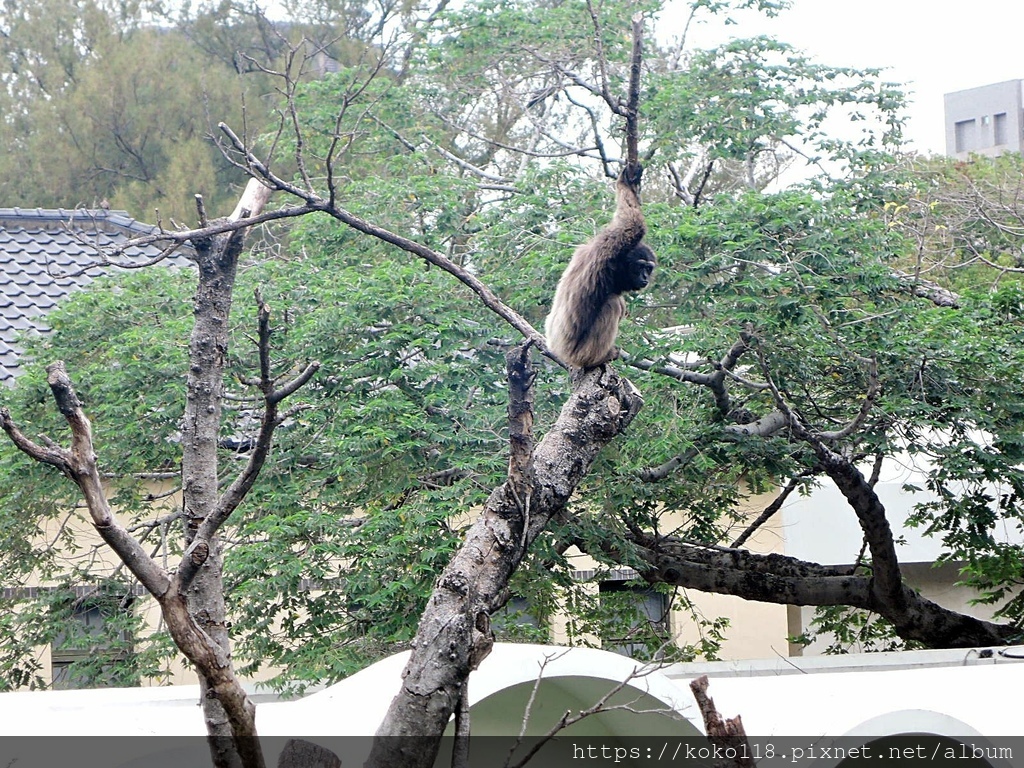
(755,630)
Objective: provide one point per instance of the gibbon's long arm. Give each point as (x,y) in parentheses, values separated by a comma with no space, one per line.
(627,228)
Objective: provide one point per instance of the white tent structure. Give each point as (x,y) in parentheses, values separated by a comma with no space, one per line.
(955,694)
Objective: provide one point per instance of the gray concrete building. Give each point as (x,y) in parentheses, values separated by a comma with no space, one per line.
(987,120)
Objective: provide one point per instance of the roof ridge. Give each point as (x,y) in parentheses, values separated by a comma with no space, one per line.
(99,216)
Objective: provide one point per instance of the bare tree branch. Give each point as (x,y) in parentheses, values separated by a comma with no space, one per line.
(728,735)
(766,426)
(925,289)
(240,487)
(606,161)
(79,464)
(569,718)
(632,109)
(663,470)
(253,200)
(520,417)
(770,511)
(715,381)
(314,202)
(602,62)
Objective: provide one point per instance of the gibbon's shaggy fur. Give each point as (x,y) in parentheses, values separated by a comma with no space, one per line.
(588,304)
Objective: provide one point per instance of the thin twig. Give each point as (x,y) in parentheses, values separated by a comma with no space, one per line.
(770,510)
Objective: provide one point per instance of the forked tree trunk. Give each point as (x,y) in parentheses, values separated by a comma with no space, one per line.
(192,599)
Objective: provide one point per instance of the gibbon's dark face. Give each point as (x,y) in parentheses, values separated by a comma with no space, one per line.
(637,269)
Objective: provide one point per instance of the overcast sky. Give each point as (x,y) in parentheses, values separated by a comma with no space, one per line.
(933,46)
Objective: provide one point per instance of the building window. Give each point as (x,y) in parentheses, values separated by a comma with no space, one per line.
(94,649)
(999,136)
(966,135)
(639,625)
(518,620)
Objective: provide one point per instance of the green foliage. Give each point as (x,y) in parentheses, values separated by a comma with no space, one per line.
(95,636)
(130,332)
(748,98)
(846,629)
(98,104)
(405,431)
(402,434)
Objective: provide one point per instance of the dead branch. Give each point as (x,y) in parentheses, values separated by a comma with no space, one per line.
(769,511)
(272,418)
(926,289)
(715,381)
(888,582)
(314,202)
(79,464)
(660,472)
(728,735)
(463,726)
(602,62)
(766,426)
(196,620)
(253,200)
(595,123)
(569,718)
(528,710)
(520,418)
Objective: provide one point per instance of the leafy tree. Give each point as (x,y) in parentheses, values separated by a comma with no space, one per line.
(125,120)
(964,218)
(789,337)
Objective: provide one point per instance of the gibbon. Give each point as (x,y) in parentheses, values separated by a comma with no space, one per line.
(588,303)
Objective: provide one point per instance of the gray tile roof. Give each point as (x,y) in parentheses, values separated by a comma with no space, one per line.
(42,253)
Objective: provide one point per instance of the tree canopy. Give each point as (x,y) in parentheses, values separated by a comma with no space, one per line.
(798,328)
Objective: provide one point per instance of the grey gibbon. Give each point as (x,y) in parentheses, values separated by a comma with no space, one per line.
(588,304)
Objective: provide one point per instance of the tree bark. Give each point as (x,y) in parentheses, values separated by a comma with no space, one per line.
(913,616)
(785,580)
(451,630)
(217,258)
(210,658)
(79,463)
(230,715)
